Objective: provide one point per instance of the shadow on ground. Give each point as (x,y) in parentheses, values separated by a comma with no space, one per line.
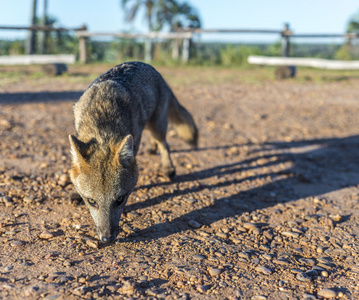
(39,97)
(318,166)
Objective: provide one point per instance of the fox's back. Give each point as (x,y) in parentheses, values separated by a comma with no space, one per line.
(120,101)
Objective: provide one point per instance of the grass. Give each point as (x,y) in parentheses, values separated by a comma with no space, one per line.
(177,76)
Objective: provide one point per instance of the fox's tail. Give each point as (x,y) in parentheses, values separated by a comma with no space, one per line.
(183,122)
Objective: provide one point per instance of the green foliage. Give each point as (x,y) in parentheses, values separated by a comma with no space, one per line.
(16,47)
(163,13)
(234,55)
(353,24)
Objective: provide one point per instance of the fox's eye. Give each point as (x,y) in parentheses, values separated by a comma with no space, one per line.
(92,202)
(120,200)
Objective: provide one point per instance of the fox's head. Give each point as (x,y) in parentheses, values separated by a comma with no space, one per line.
(104,176)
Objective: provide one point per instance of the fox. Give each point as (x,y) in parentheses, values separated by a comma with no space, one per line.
(110,117)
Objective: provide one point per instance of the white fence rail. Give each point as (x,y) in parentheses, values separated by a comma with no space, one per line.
(304,62)
(37,59)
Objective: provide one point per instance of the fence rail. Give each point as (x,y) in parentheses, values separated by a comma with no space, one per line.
(304,62)
(183,36)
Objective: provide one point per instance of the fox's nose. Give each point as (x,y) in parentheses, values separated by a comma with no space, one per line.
(106,239)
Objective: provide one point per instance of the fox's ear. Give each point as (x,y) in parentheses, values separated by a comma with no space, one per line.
(79,149)
(124,152)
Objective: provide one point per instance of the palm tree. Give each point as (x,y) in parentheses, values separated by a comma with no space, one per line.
(178,15)
(159,13)
(131,12)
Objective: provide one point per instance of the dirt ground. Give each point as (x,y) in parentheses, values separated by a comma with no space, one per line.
(265,208)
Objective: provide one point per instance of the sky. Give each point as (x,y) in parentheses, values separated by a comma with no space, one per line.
(305,16)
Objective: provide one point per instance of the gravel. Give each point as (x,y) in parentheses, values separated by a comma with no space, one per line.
(265,208)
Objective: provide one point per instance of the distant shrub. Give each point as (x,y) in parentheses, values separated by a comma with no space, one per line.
(347,52)
(233,55)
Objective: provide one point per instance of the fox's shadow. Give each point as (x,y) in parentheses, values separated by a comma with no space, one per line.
(316,167)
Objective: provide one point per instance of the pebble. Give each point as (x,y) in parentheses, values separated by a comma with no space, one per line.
(290,234)
(267,256)
(81,290)
(309,297)
(280,261)
(67,263)
(17,243)
(324,274)
(128,287)
(264,270)
(194,224)
(198,257)
(320,249)
(259,297)
(327,293)
(250,226)
(28,199)
(307,261)
(45,235)
(202,288)
(236,241)
(92,243)
(222,235)
(303,277)
(214,271)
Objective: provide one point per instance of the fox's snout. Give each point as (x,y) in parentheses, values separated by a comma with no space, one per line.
(107,235)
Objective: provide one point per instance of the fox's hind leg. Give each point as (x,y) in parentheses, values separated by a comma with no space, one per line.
(153,146)
(158,129)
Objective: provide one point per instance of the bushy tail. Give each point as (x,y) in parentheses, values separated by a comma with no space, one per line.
(183,122)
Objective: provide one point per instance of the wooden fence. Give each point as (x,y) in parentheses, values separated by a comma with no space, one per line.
(183,37)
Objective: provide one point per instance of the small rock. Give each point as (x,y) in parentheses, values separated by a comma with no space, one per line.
(309,297)
(194,224)
(214,271)
(7,286)
(303,277)
(263,270)
(151,293)
(222,235)
(290,234)
(128,287)
(81,290)
(235,240)
(258,297)
(202,288)
(17,243)
(46,235)
(327,293)
(324,274)
(92,243)
(250,226)
(7,200)
(67,263)
(28,199)
(320,249)
(307,261)
(198,257)
(8,268)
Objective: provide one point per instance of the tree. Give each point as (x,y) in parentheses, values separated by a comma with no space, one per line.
(178,15)
(353,24)
(159,13)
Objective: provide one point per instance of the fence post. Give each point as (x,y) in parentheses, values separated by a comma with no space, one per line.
(83,49)
(148,49)
(186,49)
(31,39)
(175,48)
(285,40)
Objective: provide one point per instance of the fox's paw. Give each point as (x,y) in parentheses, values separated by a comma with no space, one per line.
(152,151)
(171,173)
